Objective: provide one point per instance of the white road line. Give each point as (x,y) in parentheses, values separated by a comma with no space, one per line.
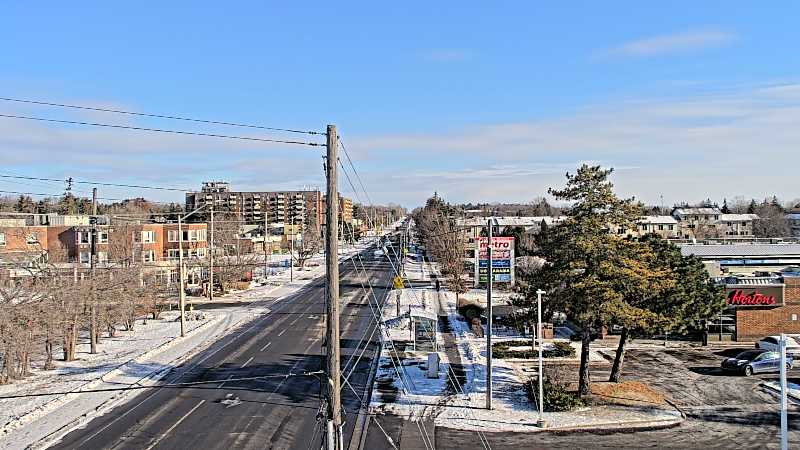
(265,347)
(226,379)
(160,438)
(248,361)
(282,331)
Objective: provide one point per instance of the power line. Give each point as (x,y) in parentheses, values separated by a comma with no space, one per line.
(358,177)
(54,195)
(96,183)
(161,130)
(159,116)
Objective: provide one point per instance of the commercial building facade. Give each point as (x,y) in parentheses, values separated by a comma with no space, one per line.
(758,307)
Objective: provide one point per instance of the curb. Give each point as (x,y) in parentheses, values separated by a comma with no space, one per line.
(794,397)
(614,427)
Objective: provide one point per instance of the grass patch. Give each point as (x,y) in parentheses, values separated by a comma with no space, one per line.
(626,393)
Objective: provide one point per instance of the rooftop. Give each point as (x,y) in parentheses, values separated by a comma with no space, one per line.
(740,250)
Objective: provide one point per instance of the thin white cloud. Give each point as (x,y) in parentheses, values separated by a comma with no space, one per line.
(741,141)
(447,55)
(685,41)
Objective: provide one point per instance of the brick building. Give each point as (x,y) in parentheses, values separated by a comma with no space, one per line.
(138,243)
(758,307)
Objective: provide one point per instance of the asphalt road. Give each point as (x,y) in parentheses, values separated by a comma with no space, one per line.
(247,389)
(723,411)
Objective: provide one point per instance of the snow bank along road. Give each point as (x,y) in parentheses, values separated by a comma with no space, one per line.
(239,393)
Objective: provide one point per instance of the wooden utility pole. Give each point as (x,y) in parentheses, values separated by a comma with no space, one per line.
(489,276)
(333,386)
(92,262)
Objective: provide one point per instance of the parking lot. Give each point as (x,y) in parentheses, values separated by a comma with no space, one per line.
(723,410)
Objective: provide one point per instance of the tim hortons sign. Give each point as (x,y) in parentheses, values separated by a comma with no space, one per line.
(754,296)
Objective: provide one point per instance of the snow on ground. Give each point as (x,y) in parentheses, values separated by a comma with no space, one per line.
(414,395)
(138,357)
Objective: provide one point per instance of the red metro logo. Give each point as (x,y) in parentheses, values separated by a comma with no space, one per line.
(739,298)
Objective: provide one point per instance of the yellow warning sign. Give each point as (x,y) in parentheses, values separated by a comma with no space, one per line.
(398,282)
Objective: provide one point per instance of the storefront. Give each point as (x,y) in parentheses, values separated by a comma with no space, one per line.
(758,307)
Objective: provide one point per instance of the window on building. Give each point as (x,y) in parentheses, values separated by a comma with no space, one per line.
(192,236)
(148,236)
(148,256)
(2,239)
(32,239)
(660,227)
(85,257)
(102,257)
(172,235)
(173,253)
(201,235)
(201,252)
(82,237)
(671,227)
(102,237)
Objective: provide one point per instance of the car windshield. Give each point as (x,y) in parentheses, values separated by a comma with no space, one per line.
(748,355)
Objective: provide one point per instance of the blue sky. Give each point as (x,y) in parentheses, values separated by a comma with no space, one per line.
(478,101)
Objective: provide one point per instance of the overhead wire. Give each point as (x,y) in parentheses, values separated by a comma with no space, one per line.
(158,116)
(482,437)
(160,130)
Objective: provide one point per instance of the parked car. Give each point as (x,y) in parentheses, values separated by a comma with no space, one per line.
(772,343)
(756,361)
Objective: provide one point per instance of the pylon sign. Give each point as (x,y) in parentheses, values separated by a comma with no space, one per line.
(398,282)
(502,260)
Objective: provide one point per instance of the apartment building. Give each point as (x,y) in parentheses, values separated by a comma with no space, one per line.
(712,223)
(278,207)
(736,224)
(794,223)
(345,209)
(664,226)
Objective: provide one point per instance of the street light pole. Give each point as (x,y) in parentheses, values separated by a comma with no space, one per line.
(784,417)
(181,290)
(540,423)
(489,279)
(211,255)
(291,250)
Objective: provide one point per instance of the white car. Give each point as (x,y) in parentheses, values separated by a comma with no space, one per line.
(772,343)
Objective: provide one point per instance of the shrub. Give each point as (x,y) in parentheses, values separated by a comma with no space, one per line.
(562,350)
(556,396)
(502,350)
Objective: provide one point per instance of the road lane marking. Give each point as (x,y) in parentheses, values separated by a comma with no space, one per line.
(248,361)
(156,442)
(282,331)
(265,347)
(226,380)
